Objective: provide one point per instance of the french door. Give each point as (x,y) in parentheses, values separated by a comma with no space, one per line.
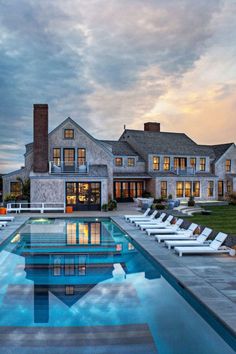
(125,191)
(83,195)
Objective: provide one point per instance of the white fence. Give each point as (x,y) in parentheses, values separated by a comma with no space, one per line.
(40,207)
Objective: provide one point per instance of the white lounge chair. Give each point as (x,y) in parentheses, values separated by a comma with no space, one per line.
(212,248)
(200,240)
(171,229)
(179,235)
(147,219)
(159,224)
(129,217)
(150,222)
(7,218)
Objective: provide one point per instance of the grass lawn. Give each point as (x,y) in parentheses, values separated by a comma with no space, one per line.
(223,218)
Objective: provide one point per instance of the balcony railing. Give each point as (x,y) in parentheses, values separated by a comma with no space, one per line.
(68,167)
(188,171)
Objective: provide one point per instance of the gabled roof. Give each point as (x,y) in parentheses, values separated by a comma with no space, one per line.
(220,149)
(120,148)
(166,143)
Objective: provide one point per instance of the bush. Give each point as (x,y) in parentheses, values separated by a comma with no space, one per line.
(9,197)
(159,200)
(170,196)
(146,194)
(191,201)
(104,207)
(232,198)
(112,205)
(158,206)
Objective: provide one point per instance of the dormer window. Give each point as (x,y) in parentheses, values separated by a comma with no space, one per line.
(203,164)
(131,162)
(118,161)
(69,134)
(166,164)
(156,163)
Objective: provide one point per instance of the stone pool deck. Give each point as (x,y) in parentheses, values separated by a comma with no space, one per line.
(211,279)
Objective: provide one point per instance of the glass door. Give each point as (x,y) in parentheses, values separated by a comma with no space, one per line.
(84,195)
(69,160)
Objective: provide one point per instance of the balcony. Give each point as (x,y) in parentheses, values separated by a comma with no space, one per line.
(68,167)
(188,171)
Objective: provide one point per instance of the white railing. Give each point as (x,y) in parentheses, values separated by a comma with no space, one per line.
(186,171)
(40,207)
(68,167)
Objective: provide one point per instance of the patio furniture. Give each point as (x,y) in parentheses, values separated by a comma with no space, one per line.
(179,235)
(213,248)
(159,224)
(200,240)
(140,221)
(171,229)
(7,218)
(130,217)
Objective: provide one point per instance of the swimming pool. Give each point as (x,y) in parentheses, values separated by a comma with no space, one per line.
(82,286)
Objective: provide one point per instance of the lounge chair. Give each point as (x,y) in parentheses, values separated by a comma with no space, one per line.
(129,217)
(171,229)
(200,240)
(149,219)
(179,235)
(156,224)
(213,247)
(7,218)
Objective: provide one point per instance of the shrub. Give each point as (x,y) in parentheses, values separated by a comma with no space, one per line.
(191,201)
(9,197)
(112,205)
(105,207)
(159,206)
(159,200)
(232,198)
(146,194)
(170,196)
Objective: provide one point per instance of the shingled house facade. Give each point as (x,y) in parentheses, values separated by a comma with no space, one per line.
(70,166)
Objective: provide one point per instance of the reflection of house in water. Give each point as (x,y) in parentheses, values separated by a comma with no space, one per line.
(69,259)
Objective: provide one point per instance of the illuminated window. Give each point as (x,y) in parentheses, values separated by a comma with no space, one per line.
(163,189)
(193,162)
(228,165)
(82,269)
(118,161)
(196,189)
(220,188)
(229,187)
(203,164)
(69,266)
(71,234)
(95,233)
(188,189)
(156,163)
(81,156)
(210,189)
(179,189)
(119,247)
(57,157)
(83,234)
(166,164)
(57,267)
(131,161)
(15,188)
(69,133)
(69,290)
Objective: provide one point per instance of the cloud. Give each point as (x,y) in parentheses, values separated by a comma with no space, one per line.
(107,63)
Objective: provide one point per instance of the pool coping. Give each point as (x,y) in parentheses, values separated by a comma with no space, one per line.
(219,305)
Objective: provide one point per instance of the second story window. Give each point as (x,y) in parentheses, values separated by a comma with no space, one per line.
(228,165)
(118,161)
(156,163)
(166,164)
(81,156)
(57,157)
(202,164)
(131,161)
(15,188)
(69,134)
(193,163)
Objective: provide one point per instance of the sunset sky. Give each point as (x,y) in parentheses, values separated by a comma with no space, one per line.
(106,63)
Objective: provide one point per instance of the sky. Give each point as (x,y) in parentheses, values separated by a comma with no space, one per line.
(110,63)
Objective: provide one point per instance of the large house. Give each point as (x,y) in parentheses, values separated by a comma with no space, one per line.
(70,165)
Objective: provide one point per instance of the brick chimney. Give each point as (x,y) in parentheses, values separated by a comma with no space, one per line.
(152,127)
(40,163)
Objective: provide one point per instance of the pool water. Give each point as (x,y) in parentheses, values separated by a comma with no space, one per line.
(81,286)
